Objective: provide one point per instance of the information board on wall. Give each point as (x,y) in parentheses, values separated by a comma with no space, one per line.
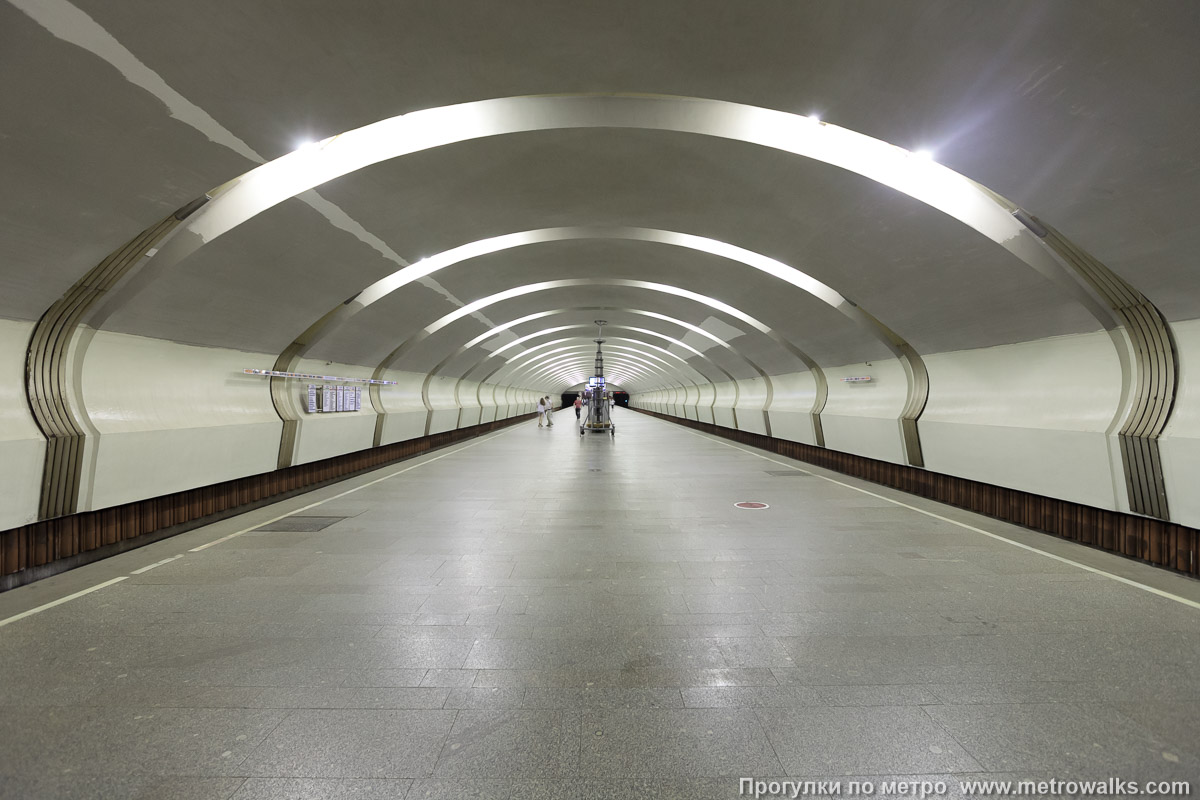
(327,399)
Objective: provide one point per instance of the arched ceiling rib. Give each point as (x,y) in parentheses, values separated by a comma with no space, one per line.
(472,251)
(462,352)
(519,365)
(744,340)
(632,370)
(919,178)
(628,372)
(524,340)
(506,373)
(1074,133)
(519,291)
(923,179)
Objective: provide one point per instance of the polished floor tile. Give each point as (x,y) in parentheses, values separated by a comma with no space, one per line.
(540,615)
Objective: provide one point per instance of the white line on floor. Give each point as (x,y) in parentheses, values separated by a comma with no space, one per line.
(155,564)
(98,586)
(1183,600)
(60,601)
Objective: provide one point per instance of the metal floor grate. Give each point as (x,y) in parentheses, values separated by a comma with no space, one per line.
(301,524)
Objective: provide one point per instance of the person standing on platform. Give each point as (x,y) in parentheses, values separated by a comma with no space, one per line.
(541,411)
(549,412)
(578,406)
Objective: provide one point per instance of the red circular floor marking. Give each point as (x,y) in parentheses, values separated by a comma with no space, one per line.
(750,505)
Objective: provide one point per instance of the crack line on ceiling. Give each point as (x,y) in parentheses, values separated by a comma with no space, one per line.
(71,24)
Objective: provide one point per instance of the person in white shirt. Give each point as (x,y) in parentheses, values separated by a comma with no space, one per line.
(541,411)
(549,412)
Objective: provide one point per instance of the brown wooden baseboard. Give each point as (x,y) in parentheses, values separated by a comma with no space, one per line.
(45,548)
(1154,541)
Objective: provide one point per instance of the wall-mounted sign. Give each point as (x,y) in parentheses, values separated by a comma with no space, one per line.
(271,373)
(332,398)
(857,379)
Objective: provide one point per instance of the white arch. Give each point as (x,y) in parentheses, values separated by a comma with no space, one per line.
(584,341)
(644,331)
(520,291)
(457,255)
(576,362)
(922,179)
(652,314)
(587,349)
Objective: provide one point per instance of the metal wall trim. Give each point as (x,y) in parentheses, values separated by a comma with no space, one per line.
(49,366)
(1152,376)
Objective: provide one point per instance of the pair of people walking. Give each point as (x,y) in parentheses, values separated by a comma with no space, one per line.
(543,411)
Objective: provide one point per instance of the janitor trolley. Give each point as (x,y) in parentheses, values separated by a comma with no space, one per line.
(595,396)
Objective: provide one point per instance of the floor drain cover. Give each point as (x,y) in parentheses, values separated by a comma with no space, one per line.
(301,524)
(749,505)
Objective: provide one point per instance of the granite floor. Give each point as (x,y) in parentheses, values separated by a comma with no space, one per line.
(540,615)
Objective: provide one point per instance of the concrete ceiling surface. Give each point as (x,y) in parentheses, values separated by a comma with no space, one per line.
(1082,112)
(88,162)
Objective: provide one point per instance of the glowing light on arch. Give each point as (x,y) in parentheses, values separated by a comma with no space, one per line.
(448,258)
(543,314)
(588,350)
(646,332)
(627,371)
(922,179)
(578,365)
(534,352)
(520,291)
(640,312)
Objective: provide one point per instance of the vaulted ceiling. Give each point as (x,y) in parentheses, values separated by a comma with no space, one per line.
(114,115)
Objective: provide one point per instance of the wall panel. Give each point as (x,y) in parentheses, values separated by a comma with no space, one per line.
(752,398)
(1030,416)
(325,435)
(170,417)
(862,417)
(1180,445)
(405,414)
(22,446)
(791,407)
